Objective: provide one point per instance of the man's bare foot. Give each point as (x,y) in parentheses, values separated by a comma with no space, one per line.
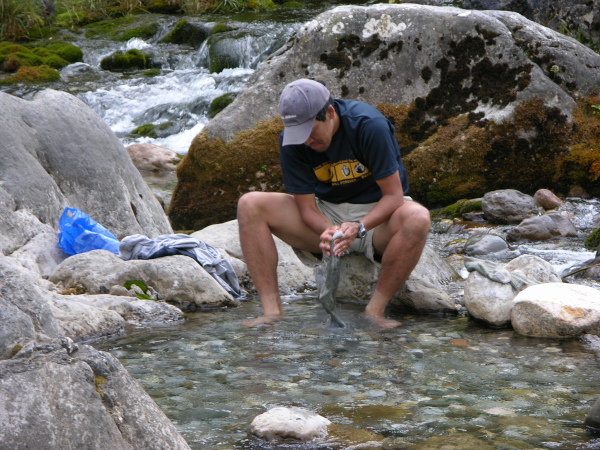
(382,322)
(263,320)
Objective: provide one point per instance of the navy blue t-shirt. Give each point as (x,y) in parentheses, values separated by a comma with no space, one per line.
(362,151)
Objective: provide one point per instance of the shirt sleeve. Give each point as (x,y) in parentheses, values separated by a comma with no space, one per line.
(378,147)
(298,177)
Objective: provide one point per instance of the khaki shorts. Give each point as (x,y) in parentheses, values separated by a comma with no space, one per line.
(339,213)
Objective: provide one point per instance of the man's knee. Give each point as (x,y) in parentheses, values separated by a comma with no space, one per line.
(249,204)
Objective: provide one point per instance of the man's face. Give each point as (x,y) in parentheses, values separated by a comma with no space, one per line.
(322,132)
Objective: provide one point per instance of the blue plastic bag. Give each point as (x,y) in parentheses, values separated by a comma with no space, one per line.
(79,233)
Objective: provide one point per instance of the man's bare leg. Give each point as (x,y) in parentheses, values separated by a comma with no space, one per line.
(260,215)
(401,240)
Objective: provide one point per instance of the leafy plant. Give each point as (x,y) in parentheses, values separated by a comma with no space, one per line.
(595,109)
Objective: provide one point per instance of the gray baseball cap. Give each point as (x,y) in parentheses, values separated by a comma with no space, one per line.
(299,104)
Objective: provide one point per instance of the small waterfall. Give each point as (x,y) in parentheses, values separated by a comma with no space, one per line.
(176,101)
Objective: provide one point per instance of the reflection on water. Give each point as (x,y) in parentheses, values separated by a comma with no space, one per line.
(435,379)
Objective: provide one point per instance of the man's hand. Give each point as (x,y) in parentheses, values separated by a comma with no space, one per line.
(326,238)
(342,244)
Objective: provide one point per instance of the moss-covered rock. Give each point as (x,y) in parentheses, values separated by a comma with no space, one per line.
(68,52)
(592,242)
(250,161)
(458,209)
(466,158)
(219,104)
(223,27)
(145,130)
(145,31)
(124,28)
(39,74)
(186,32)
(151,73)
(56,55)
(122,62)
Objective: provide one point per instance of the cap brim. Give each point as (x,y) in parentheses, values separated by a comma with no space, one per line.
(298,134)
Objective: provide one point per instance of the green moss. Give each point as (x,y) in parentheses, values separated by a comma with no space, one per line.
(458,209)
(222,27)
(219,104)
(454,187)
(55,55)
(111,28)
(40,74)
(123,62)
(143,32)
(293,5)
(592,242)
(151,73)
(99,381)
(143,297)
(55,61)
(138,283)
(68,52)
(213,175)
(16,349)
(186,33)
(145,130)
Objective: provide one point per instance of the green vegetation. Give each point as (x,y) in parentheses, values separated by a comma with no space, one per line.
(592,242)
(145,130)
(219,104)
(141,285)
(19,16)
(138,283)
(123,62)
(39,74)
(186,33)
(23,19)
(222,27)
(151,73)
(458,209)
(56,55)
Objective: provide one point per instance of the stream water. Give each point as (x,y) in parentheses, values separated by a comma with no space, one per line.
(436,380)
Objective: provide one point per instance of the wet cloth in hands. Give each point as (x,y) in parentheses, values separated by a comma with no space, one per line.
(138,246)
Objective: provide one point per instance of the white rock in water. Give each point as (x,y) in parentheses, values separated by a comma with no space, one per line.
(289,423)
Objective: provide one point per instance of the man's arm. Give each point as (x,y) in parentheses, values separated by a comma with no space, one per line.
(392,199)
(315,219)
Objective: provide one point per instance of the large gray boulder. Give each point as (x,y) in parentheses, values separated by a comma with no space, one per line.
(480,100)
(177,279)
(55,397)
(55,152)
(388,53)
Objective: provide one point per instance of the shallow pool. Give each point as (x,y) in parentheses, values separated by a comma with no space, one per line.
(436,380)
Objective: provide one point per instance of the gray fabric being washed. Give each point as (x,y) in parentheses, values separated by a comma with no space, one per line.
(327,276)
(138,246)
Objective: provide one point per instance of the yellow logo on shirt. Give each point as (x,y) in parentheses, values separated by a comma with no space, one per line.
(341,172)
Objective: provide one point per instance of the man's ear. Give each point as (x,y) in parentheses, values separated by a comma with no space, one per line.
(330,112)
